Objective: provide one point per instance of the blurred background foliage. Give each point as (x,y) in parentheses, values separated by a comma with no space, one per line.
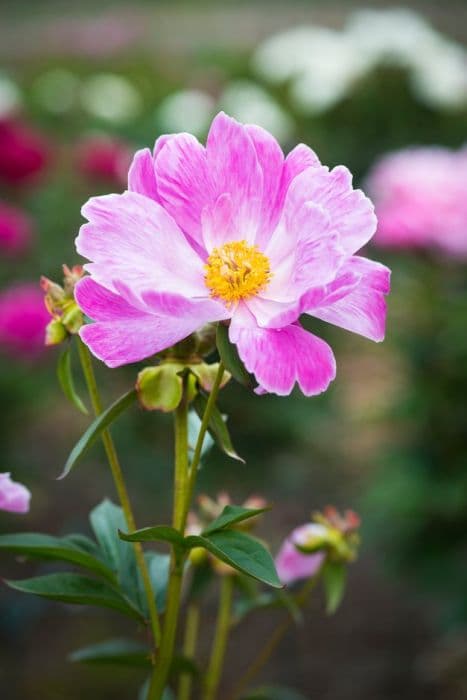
(388,439)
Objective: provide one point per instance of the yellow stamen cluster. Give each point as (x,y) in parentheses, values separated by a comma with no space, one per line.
(236,271)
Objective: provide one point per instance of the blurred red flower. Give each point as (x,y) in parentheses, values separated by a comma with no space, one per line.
(15,230)
(101,157)
(24,152)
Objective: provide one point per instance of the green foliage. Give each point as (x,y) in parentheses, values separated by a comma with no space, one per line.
(232,515)
(217,427)
(119,652)
(275,692)
(334,580)
(65,377)
(230,357)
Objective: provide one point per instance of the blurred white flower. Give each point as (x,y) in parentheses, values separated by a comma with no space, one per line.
(440,79)
(10,96)
(249,103)
(111,97)
(323,64)
(56,90)
(186,110)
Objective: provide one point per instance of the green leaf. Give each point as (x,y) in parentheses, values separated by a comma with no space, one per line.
(182,664)
(334,580)
(229,356)
(231,515)
(158,533)
(78,590)
(96,428)
(217,427)
(274,693)
(143,693)
(194,424)
(47,547)
(121,652)
(159,566)
(65,377)
(241,551)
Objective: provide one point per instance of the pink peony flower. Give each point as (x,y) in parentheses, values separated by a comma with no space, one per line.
(232,232)
(15,230)
(23,319)
(103,158)
(24,153)
(421,199)
(14,497)
(293,565)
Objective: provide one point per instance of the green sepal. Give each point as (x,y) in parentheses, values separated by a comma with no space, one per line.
(77,590)
(334,581)
(160,388)
(114,652)
(217,427)
(232,515)
(96,428)
(230,357)
(65,378)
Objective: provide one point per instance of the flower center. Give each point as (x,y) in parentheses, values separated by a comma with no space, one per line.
(236,271)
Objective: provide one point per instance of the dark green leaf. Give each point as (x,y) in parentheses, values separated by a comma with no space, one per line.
(96,428)
(274,693)
(243,552)
(232,515)
(54,548)
(143,693)
(65,377)
(76,589)
(121,652)
(334,580)
(158,533)
(194,424)
(182,664)
(217,427)
(159,565)
(229,356)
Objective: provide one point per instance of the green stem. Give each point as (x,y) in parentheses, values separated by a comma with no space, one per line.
(273,642)
(219,645)
(119,481)
(193,471)
(164,657)
(189,649)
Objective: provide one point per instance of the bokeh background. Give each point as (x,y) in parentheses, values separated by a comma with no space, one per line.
(81,87)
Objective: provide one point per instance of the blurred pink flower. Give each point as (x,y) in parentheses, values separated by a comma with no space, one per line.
(103,158)
(24,152)
(14,497)
(232,232)
(23,320)
(15,230)
(293,565)
(421,199)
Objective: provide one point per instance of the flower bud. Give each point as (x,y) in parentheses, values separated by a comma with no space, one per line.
(55,333)
(60,303)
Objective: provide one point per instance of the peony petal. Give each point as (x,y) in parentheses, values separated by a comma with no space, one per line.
(356,300)
(131,238)
(183,182)
(234,169)
(293,565)
(141,176)
(101,304)
(280,357)
(14,497)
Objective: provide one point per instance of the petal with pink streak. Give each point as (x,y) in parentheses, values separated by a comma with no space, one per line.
(293,565)
(360,306)
(280,357)
(14,497)
(218,222)
(183,182)
(351,212)
(131,238)
(141,175)
(234,169)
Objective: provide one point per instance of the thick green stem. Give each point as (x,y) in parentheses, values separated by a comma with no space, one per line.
(273,642)
(189,649)
(119,481)
(219,645)
(193,471)
(165,655)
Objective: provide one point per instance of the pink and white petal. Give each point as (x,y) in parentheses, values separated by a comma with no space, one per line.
(101,304)
(183,182)
(271,161)
(167,304)
(133,239)
(130,340)
(361,307)
(234,168)
(218,222)
(280,357)
(141,176)
(270,313)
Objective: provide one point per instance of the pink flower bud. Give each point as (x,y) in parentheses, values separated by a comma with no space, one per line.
(15,230)
(291,564)
(14,497)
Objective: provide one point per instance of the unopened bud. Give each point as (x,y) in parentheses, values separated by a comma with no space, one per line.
(55,333)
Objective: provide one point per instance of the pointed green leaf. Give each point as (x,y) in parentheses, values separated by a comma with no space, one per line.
(78,590)
(230,357)
(334,580)
(158,533)
(121,652)
(217,427)
(96,428)
(159,566)
(65,377)
(241,551)
(54,548)
(231,515)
